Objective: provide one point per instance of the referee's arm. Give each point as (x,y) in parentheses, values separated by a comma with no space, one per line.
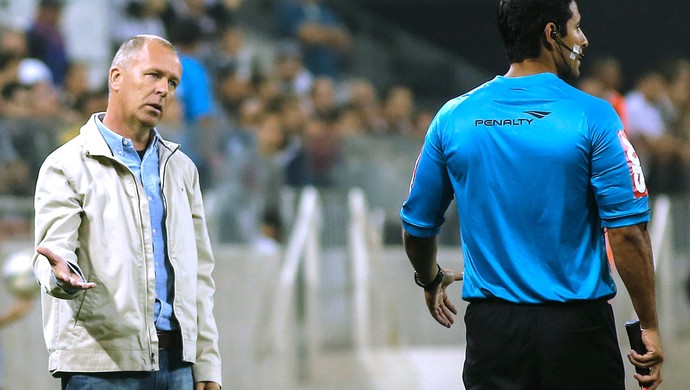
(421,252)
(632,253)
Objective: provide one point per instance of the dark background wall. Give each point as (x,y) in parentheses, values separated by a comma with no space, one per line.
(641,33)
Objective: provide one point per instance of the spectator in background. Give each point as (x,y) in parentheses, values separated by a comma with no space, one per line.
(676,73)
(75,85)
(293,77)
(653,128)
(266,88)
(323,100)
(45,39)
(349,121)
(212,16)
(231,52)
(13,49)
(364,99)
(399,110)
(646,105)
(320,32)
(232,89)
(292,152)
(606,71)
(30,109)
(251,178)
(128,18)
(30,105)
(422,121)
(196,96)
(88,102)
(270,238)
(676,139)
(42,99)
(322,148)
(250,113)
(15,174)
(31,94)
(672,162)
(292,113)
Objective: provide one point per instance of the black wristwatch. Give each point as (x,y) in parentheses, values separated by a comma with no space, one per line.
(437,280)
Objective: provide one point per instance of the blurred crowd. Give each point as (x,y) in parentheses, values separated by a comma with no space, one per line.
(656,115)
(259,115)
(254,118)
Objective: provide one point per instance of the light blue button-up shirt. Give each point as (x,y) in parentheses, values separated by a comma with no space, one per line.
(147,171)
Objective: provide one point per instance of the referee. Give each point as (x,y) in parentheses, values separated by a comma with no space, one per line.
(539,170)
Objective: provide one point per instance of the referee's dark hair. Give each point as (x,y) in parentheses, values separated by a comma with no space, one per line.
(522,22)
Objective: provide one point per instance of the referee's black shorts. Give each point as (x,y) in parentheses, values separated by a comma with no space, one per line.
(542,347)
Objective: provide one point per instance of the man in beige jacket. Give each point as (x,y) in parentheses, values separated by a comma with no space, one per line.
(123,253)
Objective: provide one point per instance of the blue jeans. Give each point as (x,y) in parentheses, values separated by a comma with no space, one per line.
(174,374)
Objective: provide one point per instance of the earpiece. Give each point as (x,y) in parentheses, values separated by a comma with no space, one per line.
(554,32)
(575,51)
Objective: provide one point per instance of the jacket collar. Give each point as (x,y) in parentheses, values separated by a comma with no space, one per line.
(95,145)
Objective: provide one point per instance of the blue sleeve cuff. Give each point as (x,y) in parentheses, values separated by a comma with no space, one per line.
(419,231)
(627,220)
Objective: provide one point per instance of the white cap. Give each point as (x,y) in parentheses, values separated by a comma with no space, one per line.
(32,71)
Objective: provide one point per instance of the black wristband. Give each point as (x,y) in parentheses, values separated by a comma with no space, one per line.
(437,280)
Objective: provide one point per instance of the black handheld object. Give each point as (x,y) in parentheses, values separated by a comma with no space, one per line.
(635,337)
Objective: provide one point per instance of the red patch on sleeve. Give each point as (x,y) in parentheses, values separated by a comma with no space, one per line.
(636,175)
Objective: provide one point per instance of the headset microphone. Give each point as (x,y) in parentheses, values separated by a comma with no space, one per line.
(575,51)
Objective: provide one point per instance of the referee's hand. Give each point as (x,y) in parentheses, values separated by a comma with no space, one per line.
(652,359)
(440,306)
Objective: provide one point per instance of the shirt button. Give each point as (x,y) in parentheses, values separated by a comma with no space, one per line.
(120,153)
(154,231)
(150,198)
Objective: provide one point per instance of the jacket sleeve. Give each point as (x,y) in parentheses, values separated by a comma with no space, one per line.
(57,217)
(208,365)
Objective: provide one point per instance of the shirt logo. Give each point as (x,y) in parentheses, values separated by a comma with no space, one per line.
(638,183)
(513,121)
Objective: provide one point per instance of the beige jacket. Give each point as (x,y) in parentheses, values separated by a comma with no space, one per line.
(92,211)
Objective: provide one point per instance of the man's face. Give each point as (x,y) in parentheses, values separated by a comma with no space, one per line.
(147,84)
(575,36)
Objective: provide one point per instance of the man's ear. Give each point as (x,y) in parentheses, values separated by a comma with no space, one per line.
(115,78)
(550,35)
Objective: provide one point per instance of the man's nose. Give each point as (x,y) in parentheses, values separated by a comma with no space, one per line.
(163,88)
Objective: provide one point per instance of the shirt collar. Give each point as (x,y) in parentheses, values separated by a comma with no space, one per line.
(116,141)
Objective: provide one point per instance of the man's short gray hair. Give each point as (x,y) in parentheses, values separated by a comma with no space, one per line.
(132,46)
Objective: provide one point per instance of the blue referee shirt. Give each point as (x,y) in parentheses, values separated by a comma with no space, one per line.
(147,172)
(538,169)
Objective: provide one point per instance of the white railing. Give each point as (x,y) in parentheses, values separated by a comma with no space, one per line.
(302,253)
(371,295)
(661,235)
(359,246)
(659,232)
